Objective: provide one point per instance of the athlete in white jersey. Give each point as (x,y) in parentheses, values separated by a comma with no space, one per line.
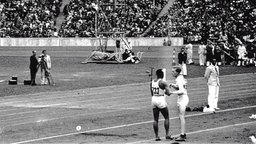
(158,90)
(158,98)
(182,101)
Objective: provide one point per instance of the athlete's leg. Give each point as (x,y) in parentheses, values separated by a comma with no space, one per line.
(181,110)
(165,114)
(155,124)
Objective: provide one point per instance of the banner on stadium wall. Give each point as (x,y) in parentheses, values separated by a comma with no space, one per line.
(135,41)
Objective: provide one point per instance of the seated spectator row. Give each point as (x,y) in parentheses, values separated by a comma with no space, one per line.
(130,16)
(205,19)
(28,18)
(194,20)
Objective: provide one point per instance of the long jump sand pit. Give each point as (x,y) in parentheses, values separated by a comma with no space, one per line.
(111,103)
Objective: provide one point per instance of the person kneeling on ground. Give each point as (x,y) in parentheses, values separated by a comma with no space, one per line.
(129,57)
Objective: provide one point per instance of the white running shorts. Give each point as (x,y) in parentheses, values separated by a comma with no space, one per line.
(158,102)
(183,100)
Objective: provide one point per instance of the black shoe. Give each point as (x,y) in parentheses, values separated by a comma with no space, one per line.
(181,138)
(169,138)
(33,84)
(158,139)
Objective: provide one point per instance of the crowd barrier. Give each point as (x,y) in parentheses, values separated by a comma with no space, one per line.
(135,41)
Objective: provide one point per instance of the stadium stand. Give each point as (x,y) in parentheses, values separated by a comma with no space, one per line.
(33,18)
(207,18)
(193,20)
(133,16)
(227,22)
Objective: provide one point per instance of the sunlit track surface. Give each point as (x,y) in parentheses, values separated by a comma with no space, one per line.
(40,115)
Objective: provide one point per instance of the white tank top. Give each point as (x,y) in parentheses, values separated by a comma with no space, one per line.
(157,91)
(180,80)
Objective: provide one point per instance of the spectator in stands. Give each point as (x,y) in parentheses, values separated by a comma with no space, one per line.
(241,51)
(218,19)
(21,18)
(250,54)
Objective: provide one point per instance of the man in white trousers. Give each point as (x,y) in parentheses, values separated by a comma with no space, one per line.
(189,48)
(201,53)
(182,101)
(45,65)
(213,82)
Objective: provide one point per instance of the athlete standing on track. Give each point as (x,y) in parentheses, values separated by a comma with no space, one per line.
(182,102)
(159,88)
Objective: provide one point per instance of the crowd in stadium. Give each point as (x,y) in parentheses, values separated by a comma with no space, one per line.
(28,18)
(195,20)
(133,18)
(228,25)
(207,18)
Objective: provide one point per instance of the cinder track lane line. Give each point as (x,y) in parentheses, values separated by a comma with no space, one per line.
(126,125)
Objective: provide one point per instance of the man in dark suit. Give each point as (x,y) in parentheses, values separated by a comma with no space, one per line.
(33,68)
(182,59)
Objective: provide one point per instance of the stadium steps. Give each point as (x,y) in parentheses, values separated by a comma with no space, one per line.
(162,13)
(61,17)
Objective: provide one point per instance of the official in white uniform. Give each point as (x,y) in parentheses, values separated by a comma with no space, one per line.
(159,88)
(213,82)
(201,53)
(190,53)
(182,101)
(45,66)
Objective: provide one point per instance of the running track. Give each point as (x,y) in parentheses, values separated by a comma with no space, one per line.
(42,117)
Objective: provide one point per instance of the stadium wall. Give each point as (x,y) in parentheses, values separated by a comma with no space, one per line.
(140,41)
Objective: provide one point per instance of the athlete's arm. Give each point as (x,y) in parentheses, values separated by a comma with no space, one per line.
(207,73)
(171,85)
(181,89)
(164,85)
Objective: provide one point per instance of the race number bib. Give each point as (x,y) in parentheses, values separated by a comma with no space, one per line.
(155,90)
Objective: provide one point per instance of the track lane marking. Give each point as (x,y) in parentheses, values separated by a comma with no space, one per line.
(125,125)
(199,131)
(67,105)
(112,108)
(95,88)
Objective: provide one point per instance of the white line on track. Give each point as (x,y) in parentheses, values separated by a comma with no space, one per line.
(199,131)
(128,125)
(110,109)
(68,105)
(95,88)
